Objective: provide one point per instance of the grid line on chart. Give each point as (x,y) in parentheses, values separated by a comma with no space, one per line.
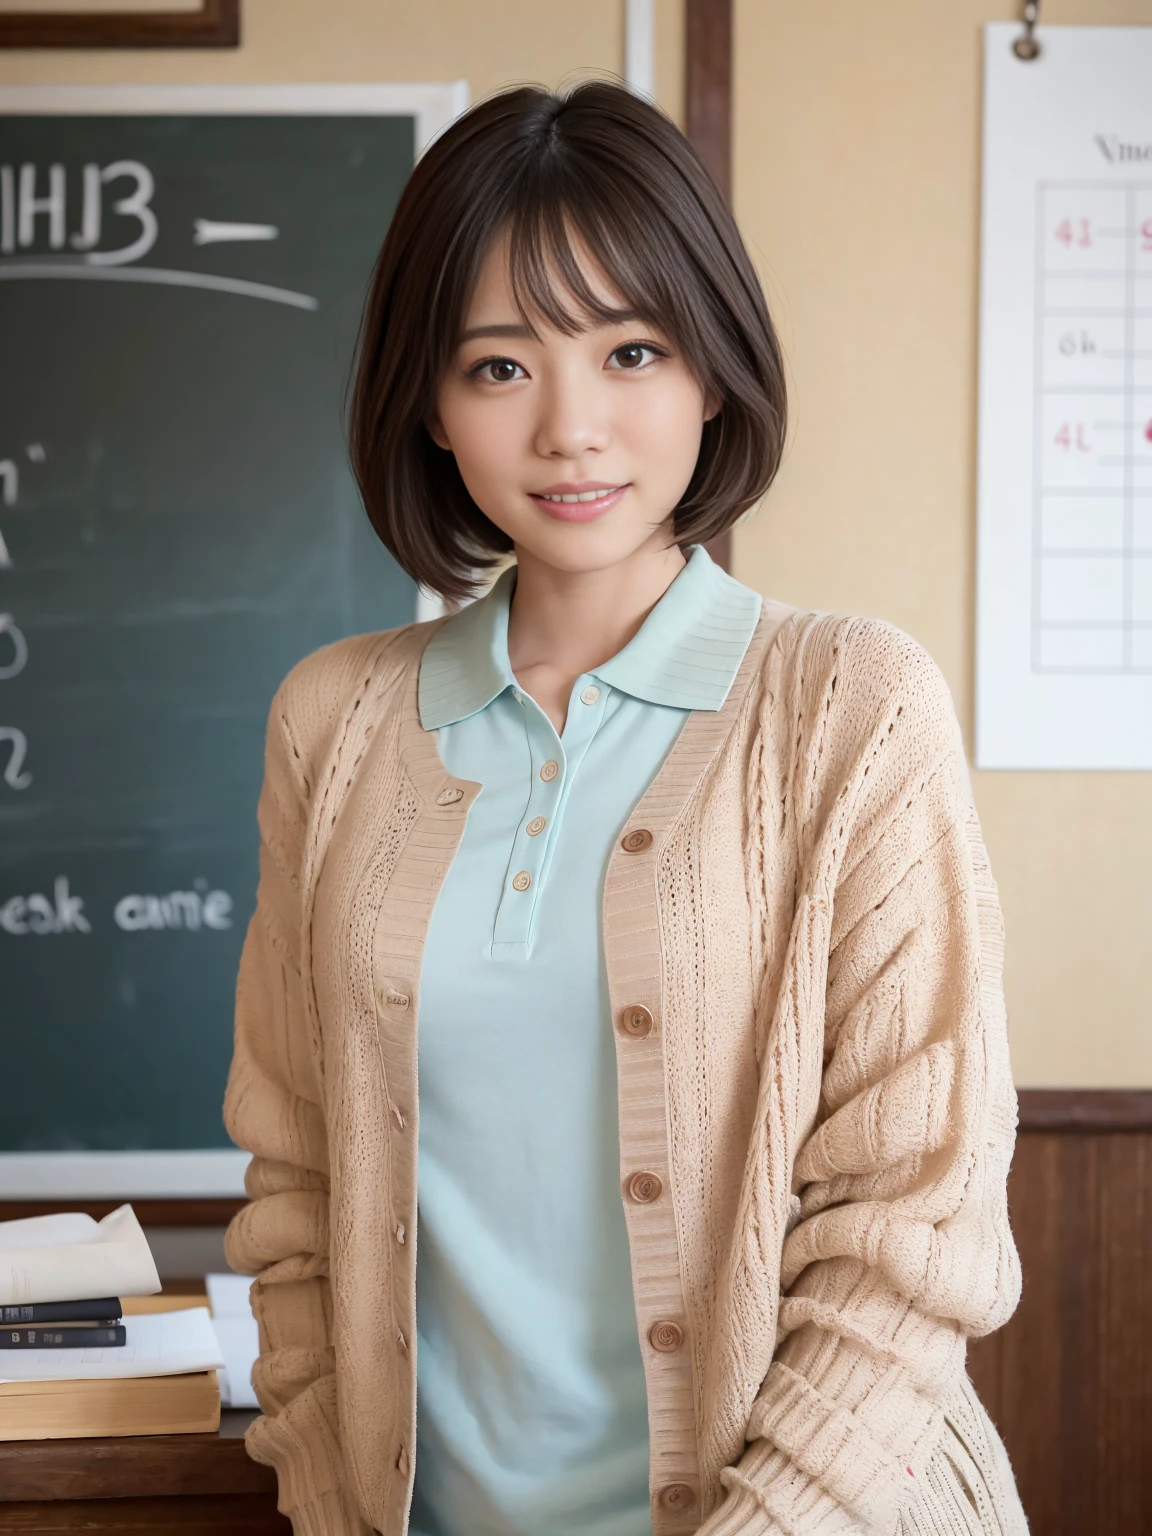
(1037,427)
(1091,608)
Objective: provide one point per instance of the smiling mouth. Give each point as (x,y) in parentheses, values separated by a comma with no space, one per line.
(574,496)
(576,503)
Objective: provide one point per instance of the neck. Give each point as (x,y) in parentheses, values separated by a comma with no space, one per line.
(572,621)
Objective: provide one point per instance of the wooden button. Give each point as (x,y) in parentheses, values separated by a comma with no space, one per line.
(637,841)
(449,796)
(644,1188)
(522,881)
(666,1336)
(536,826)
(550,769)
(676,1497)
(637,1021)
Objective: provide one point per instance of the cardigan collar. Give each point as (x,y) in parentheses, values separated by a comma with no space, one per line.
(685,654)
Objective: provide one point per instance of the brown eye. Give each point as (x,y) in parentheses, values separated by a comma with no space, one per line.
(500,370)
(635,355)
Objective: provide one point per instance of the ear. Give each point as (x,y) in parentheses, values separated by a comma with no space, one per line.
(712,404)
(436,431)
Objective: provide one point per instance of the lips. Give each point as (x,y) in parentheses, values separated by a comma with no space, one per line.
(578,502)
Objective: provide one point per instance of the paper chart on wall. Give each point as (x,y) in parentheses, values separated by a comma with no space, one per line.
(1064,564)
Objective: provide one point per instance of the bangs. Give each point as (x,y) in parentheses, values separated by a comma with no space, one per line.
(558,247)
(569,220)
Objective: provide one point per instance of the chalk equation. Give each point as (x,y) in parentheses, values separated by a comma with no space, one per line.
(1092,483)
(13,645)
(94,221)
(49,206)
(27,197)
(199,910)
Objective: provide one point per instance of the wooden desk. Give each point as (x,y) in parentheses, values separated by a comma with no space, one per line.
(196,1485)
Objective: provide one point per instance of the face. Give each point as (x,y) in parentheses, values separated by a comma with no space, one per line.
(577,447)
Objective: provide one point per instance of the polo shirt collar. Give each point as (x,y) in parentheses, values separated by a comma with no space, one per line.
(685,654)
(465,664)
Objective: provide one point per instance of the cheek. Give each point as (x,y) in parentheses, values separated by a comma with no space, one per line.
(665,425)
(481,438)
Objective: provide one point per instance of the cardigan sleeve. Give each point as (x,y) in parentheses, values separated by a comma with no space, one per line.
(273,1108)
(900,1247)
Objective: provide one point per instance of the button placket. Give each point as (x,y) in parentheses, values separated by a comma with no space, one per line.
(529,850)
(555,763)
(580,727)
(637,993)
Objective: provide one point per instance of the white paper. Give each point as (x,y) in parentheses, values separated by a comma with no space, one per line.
(1064,569)
(45,1231)
(238,1336)
(158,1344)
(239,1342)
(70,1257)
(228,1295)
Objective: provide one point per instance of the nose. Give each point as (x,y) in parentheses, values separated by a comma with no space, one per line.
(573,419)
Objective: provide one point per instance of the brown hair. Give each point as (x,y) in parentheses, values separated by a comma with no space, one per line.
(602,167)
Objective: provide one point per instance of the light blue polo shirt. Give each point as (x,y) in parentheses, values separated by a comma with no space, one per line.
(531,1406)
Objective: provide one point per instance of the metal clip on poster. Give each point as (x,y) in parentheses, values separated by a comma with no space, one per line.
(1026,47)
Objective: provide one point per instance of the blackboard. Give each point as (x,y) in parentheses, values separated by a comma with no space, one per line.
(179,300)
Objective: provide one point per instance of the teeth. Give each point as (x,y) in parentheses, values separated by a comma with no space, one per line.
(581,495)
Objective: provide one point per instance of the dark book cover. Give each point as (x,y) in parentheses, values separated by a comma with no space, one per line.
(49,1337)
(105,1310)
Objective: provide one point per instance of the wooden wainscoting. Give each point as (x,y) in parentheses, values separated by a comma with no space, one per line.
(1069,1380)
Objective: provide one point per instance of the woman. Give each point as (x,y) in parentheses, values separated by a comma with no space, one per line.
(661,912)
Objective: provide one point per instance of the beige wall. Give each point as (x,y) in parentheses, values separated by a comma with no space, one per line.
(857,164)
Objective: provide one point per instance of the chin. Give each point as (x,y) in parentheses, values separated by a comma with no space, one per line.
(583,546)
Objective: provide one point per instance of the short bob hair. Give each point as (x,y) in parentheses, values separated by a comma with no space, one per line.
(601,168)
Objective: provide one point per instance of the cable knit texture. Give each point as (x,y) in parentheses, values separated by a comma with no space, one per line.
(825,1096)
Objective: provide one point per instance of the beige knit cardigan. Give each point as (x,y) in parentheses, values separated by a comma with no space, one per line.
(822,1102)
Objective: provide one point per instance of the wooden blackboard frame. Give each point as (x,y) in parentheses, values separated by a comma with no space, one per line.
(431,105)
(215,25)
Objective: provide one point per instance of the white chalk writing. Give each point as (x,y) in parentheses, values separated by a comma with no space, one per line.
(34,208)
(179,909)
(196,911)
(12,774)
(60,913)
(19,660)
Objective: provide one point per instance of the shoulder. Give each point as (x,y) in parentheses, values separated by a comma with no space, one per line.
(857,707)
(324,688)
(865,672)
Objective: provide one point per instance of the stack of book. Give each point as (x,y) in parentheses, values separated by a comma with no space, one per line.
(62,1325)
(75,1359)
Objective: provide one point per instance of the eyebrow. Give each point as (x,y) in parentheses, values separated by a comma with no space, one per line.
(514,332)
